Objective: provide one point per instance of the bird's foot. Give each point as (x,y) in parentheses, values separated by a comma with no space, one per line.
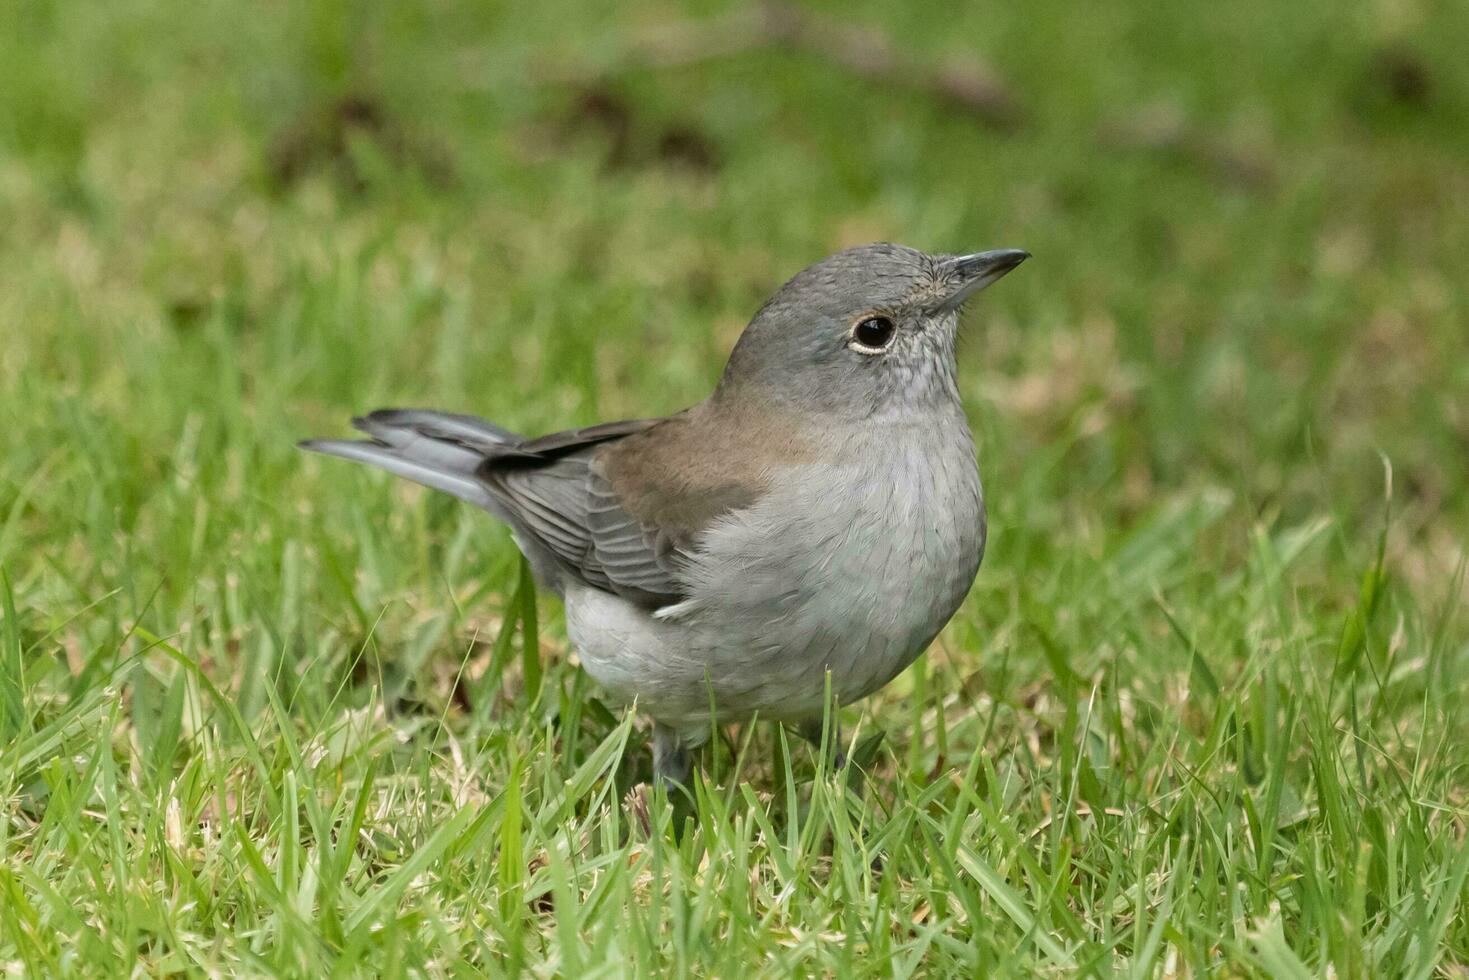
(673,769)
(673,763)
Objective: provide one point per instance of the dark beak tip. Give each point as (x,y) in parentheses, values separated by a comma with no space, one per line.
(972,273)
(986,263)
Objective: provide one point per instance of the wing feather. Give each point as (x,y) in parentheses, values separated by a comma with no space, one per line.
(619,505)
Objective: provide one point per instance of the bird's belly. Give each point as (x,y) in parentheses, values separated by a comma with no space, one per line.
(870,598)
(834,572)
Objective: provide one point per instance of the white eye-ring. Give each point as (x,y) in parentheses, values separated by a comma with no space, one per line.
(872,334)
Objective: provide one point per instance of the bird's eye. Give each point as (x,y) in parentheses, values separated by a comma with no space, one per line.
(873,334)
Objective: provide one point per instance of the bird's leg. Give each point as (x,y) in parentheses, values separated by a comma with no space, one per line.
(811,732)
(673,768)
(672,761)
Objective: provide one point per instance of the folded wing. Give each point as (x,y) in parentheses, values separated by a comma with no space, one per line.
(616,528)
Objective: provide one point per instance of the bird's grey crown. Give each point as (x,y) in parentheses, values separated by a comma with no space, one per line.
(878,275)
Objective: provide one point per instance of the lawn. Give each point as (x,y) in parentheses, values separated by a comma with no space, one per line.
(1203,713)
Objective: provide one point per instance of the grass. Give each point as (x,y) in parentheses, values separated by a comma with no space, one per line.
(1203,713)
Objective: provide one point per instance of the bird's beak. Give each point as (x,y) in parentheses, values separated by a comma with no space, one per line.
(965,275)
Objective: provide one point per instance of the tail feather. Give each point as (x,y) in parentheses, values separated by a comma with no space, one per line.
(466,429)
(451,457)
(437,449)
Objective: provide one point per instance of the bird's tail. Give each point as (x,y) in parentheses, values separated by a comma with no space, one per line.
(441,450)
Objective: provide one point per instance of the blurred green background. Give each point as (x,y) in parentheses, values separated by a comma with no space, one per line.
(225,227)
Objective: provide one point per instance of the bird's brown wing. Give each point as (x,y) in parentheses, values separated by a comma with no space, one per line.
(620,504)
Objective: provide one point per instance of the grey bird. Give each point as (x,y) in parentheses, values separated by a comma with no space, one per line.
(820,513)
